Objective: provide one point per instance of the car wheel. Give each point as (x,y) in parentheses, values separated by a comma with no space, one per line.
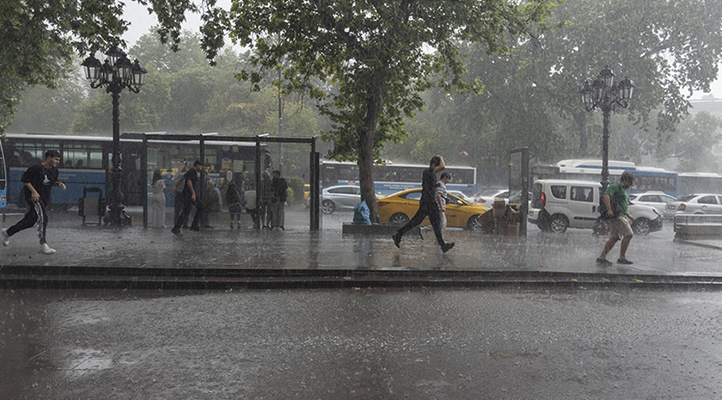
(399,218)
(474,224)
(558,223)
(641,227)
(327,207)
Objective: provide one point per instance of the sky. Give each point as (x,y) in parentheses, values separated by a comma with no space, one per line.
(140,23)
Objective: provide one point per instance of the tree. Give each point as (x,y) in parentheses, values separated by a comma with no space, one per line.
(693,144)
(668,48)
(375,53)
(41,109)
(39,39)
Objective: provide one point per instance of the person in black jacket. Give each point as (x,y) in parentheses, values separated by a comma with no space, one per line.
(38,180)
(189,196)
(428,205)
(280,189)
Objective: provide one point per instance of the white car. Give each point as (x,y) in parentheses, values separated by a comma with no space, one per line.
(461,195)
(704,203)
(558,204)
(486,197)
(658,200)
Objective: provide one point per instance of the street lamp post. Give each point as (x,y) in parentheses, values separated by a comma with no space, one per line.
(606,94)
(115,74)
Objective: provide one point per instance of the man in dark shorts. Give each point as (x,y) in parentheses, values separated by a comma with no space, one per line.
(37,180)
(191,187)
(428,205)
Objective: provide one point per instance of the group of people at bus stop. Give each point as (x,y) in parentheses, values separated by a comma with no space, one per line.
(269,214)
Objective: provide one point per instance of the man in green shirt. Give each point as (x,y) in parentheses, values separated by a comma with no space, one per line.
(619,225)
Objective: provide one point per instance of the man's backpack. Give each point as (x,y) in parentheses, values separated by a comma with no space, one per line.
(616,208)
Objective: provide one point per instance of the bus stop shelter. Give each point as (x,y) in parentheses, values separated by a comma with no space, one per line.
(314,160)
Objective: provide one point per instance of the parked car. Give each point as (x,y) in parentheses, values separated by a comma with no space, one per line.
(461,195)
(658,200)
(558,204)
(341,197)
(400,207)
(487,196)
(704,203)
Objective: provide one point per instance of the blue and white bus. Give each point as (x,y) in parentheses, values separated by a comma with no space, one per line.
(392,177)
(85,162)
(646,178)
(699,182)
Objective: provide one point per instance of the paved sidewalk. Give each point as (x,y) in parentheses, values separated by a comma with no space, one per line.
(299,252)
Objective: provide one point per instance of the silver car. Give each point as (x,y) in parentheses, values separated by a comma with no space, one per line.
(341,197)
(658,200)
(704,203)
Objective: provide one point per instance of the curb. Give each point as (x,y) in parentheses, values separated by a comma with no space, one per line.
(19,277)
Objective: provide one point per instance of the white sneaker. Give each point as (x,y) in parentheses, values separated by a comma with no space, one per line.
(45,249)
(6,237)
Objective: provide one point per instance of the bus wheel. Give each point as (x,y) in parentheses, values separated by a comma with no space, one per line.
(399,218)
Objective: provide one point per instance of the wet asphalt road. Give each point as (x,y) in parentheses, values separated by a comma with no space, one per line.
(361,344)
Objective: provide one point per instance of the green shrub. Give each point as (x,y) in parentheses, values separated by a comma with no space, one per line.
(295,191)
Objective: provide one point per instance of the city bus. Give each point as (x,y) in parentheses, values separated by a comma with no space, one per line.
(646,178)
(86,162)
(392,177)
(699,182)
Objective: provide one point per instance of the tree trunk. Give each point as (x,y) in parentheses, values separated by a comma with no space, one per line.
(367,143)
(581,119)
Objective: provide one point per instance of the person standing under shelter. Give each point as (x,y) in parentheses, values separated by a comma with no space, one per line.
(266,211)
(616,197)
(38,180)
(212,203)
(251,206)
(233,198)
(428,205)
(280,192)
(189,197)
(158,200)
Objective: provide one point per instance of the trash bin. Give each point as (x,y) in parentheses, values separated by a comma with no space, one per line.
(93,206)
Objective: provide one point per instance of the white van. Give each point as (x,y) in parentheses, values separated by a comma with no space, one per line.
(558,204)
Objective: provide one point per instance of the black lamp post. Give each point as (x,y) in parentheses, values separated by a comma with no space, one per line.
(606,94)
(116,73)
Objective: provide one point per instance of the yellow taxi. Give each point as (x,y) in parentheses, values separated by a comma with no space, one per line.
(400,207)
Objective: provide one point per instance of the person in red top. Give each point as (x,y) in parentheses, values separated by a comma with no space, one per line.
(38,180)
(428,205)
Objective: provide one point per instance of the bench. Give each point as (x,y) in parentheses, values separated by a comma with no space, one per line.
(377,230)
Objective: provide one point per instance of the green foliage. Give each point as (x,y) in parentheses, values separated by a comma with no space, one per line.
(373,53)
(694,141)
(530,96)
(295,190)
(39,39)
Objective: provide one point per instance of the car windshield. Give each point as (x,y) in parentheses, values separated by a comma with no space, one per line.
(687,197)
